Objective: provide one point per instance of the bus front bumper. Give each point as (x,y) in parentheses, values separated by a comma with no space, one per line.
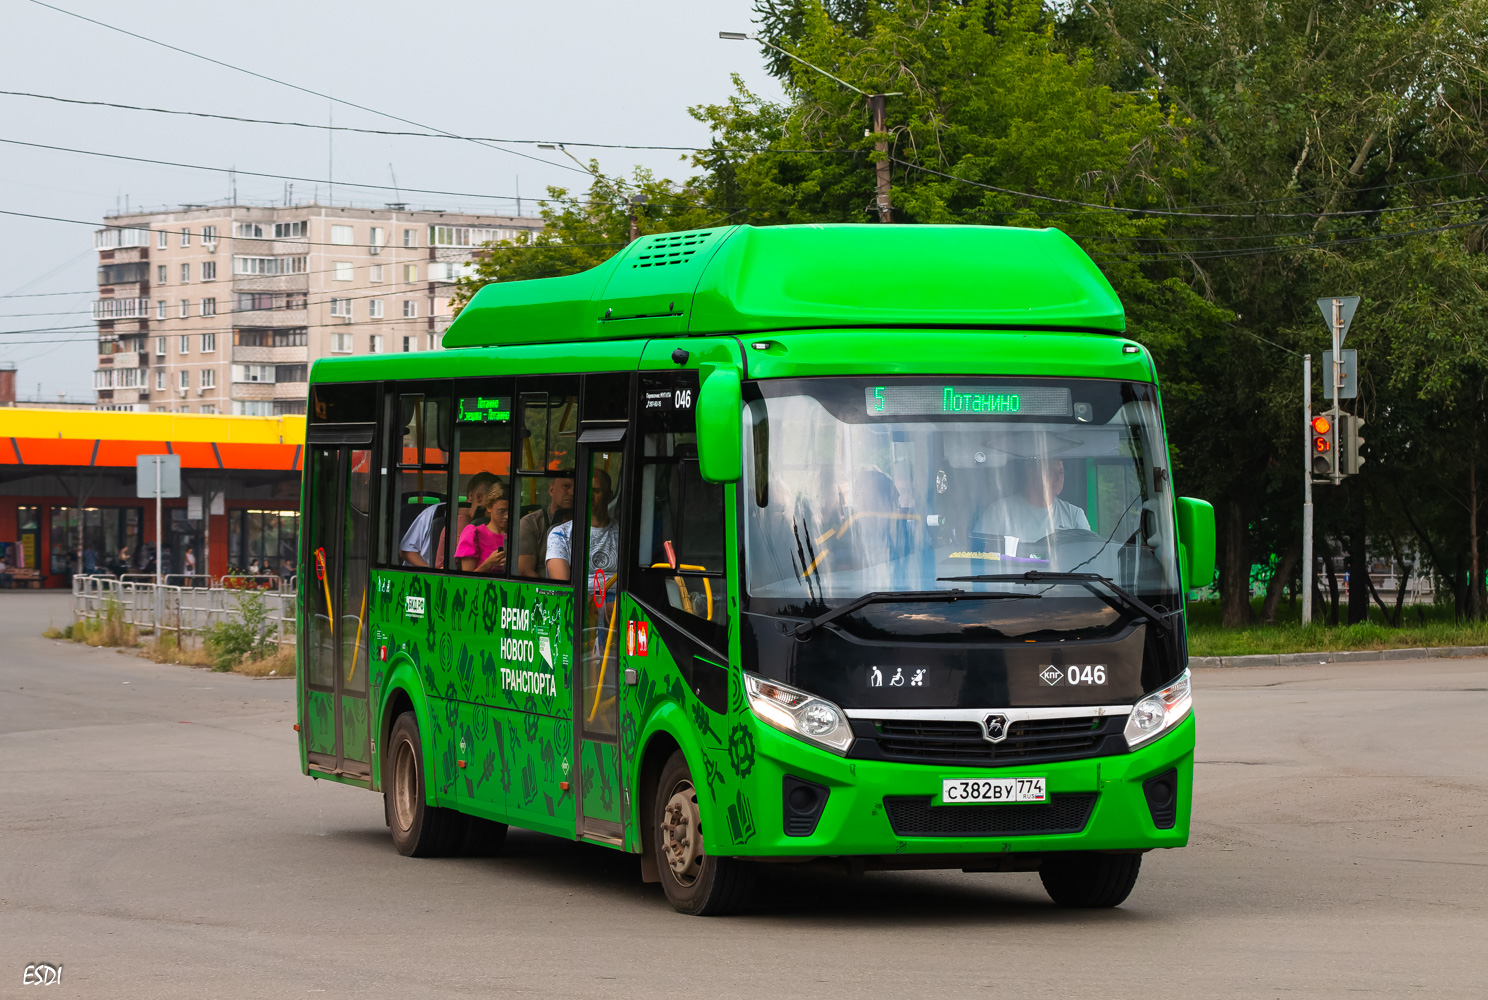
(856,819)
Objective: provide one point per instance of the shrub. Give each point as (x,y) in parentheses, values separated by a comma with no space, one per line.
(248,636)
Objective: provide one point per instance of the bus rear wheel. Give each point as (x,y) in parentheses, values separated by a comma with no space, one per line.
(1090,881)
(419,829)
(695,882)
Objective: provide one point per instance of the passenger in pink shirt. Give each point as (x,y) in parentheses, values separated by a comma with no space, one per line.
(482,544)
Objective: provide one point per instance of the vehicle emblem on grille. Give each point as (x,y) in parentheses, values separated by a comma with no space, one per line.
(1051,675)
(995,727)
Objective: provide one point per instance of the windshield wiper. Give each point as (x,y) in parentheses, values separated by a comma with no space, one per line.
(1122,600)
(885,596)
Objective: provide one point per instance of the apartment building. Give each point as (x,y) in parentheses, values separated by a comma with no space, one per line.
(223,309)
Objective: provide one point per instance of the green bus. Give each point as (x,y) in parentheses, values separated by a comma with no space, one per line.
(884,566)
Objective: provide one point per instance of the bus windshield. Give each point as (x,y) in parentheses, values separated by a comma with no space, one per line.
(859,486)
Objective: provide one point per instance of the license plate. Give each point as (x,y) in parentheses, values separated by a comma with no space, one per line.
(985,791)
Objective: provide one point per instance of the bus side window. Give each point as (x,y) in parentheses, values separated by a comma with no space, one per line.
(477,536)
(682,555)
(548,425)
(419,509)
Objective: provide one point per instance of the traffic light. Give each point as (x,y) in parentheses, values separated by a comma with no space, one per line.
(1324,453)
(1349,444)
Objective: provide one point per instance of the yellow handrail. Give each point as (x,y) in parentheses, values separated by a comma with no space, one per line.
(604,660)
(357,646)
(682,587)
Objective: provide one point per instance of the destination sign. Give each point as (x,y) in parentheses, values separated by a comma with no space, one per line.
(965,400)
(484,410)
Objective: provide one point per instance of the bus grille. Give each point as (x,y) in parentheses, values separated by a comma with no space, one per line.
(915,816)
(942,741)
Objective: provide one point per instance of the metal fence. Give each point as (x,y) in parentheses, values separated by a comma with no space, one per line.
(181,608)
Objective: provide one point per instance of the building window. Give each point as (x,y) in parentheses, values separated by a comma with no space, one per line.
(374,343)
(410,309)
(209,270)
(291,373)
(292,338)
(410,273)
(374,308)
(160,347)
(410,237)
(253,373)
(185,308)
(340,343)
(160,272)
(185,380)
(209,235)
(209,378)
(265,266)
(160,378)
(376,237)
(209,408)
(342,236)
(160,309)
(343,270)
(185,344)
(251,408)
(160,240)
(287,407)
(185,272)
(407,344)
(288,230)
(209,343)
(185,237)
(249,230)
(341,307)
(209,307)
(374,273)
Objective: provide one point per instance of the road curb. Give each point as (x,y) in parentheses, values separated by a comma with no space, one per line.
(1342,656)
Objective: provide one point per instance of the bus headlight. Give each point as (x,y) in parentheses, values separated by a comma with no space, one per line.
(1159,712)
(803,715)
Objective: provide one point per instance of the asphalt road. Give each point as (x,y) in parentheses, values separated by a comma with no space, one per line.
(157,840)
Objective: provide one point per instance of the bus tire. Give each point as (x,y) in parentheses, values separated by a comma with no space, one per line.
(695,882)
(419,829)
(1089,881)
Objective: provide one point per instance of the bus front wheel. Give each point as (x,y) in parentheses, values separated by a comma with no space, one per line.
(419,829)
(1089,881)
(695,882)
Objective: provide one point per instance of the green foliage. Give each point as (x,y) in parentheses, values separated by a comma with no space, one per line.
(249,636)
(1300,150)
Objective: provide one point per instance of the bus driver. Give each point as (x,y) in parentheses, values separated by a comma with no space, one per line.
(1034,511)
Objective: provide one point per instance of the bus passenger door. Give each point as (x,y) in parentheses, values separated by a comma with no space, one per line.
(599,633)
(337,547)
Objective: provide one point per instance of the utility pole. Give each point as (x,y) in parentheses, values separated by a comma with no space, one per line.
(1306,488)
(881,168)
(881,202)
(635,199)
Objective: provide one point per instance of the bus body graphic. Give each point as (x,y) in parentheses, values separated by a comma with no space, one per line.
(744,554)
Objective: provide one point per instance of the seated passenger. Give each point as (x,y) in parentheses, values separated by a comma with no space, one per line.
(534,527)
(604,535)
(481,547)
(1035,510)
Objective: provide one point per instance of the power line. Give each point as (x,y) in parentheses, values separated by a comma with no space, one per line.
(38,295)
(420,135)
(295,240)
(1130,211)
(1257,251)
(303,90)
(255,173)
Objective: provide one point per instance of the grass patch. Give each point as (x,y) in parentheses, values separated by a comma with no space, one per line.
(109,629)
(1422,625)
(278,664)
(166,648)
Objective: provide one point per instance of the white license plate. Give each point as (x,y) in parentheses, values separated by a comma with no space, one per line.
(984,791)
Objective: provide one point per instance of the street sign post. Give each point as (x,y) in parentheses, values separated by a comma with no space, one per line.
(1349,386)
(158,476)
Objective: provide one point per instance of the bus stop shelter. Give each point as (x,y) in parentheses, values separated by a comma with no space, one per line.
(68,500)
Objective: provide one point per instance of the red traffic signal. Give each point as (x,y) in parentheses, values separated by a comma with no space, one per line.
(1322,446)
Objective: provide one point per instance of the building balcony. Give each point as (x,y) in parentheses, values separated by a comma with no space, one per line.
(271,319)
(118,308)
(270,355)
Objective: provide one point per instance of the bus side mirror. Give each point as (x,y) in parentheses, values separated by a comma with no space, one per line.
(720,425)
(1196,538)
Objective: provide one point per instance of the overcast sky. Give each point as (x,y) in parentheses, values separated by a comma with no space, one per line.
(581,71)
